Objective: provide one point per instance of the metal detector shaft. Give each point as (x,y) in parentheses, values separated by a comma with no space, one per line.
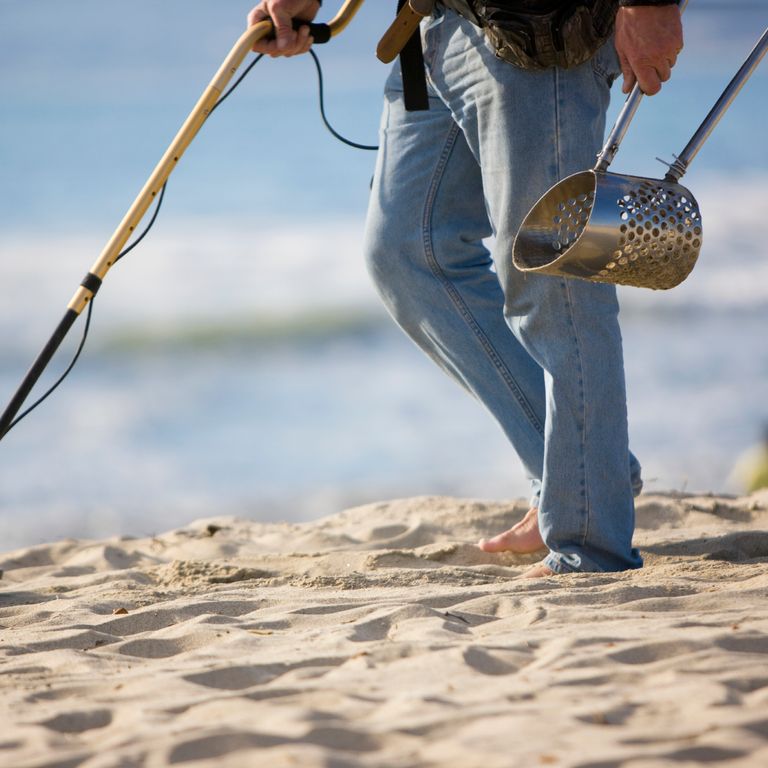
(42,360)
(92,281)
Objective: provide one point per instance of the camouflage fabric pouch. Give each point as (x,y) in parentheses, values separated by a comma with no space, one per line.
(538,34)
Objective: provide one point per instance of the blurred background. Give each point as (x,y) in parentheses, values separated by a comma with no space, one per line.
(239,361)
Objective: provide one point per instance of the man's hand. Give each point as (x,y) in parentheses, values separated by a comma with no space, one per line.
(648,39)
(288,41)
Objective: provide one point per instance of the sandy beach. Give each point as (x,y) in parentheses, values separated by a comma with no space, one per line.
(381,636)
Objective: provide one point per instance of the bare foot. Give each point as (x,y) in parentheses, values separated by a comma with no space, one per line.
(522,538)
(538,571)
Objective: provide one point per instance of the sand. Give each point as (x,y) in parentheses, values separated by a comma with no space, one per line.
(381,636)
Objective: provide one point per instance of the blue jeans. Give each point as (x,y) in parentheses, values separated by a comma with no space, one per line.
(543,354)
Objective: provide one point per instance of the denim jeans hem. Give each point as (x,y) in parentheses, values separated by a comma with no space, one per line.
(554,561)
(558,563)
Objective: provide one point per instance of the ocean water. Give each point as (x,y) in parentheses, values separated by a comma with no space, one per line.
(239,360)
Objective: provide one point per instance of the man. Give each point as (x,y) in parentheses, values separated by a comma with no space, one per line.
(542,353)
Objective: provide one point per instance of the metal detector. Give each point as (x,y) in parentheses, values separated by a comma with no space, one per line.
(321,33)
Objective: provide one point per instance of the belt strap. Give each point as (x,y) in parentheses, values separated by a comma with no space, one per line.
(412,67)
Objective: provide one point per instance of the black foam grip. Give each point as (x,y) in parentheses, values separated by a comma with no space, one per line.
(321,33)
(91,282)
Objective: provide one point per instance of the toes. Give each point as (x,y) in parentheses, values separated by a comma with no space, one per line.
(496,544)
(514,541)
(540,570)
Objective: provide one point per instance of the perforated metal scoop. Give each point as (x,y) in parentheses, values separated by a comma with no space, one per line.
(622,229)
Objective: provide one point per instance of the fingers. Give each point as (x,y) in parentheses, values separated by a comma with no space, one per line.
(628,75)
(304,41)
(651,78)
(664,71)
(287,41)
(256,15)
(648,40)
(285,35)
(259,13)
(299,42)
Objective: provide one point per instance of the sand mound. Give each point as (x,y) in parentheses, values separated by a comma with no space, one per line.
(382,637)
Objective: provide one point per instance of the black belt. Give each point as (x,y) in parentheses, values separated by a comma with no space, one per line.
(412,67)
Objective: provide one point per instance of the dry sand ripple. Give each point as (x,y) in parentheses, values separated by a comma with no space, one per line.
(382,637)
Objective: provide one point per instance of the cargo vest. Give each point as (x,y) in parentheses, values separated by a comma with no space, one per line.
(531,34)
(538,34)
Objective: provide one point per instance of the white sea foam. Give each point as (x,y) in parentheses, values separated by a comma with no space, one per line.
(217,270)
(193,272)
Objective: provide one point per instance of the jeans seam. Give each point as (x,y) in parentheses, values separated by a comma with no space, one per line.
(583,425)
(569,304)
(453,293)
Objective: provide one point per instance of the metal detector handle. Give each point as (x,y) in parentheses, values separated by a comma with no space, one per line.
(320,33)
(611,146)
(92,282)
(680,166)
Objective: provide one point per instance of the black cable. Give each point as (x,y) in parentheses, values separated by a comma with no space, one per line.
(322,109)
(61,378)
(234,85)
(147,228)
(159,204)
(71,365)
(321,97)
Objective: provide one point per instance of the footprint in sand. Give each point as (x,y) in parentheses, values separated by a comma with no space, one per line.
(79,722)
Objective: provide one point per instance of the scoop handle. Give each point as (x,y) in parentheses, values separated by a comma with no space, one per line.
(680,166)
(611,146)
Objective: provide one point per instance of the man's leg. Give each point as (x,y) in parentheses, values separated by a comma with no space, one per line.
(527,130)
(425,251)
